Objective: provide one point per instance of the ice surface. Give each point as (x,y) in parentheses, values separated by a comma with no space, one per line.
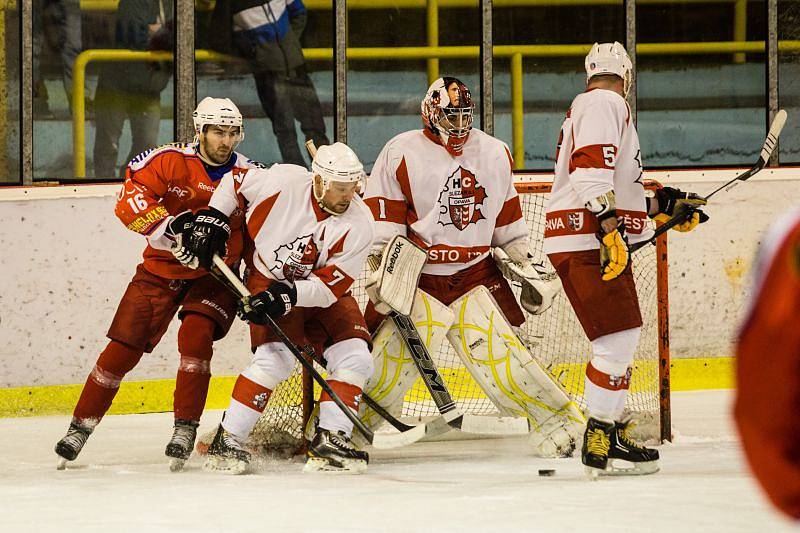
(121,482)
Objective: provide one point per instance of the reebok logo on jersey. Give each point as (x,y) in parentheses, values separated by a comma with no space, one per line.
(461,201)
(295,260)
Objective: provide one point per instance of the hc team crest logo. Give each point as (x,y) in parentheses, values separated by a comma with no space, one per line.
(461,200)
(575,221)
(295,260)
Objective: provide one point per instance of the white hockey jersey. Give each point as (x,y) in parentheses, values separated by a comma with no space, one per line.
(598,151)
(455,207)
(295,240)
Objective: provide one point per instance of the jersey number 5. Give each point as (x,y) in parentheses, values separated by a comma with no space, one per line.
(609,156)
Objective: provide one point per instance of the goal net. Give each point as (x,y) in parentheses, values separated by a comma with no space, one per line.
(554,338)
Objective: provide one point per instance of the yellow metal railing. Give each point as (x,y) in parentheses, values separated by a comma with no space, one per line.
(514,52)
(432,13)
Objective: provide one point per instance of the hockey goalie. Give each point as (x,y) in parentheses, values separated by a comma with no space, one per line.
(448,190)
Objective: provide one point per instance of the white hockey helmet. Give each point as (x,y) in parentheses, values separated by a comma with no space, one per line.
(336,162)
(610,58)
(447,112)
(217,112)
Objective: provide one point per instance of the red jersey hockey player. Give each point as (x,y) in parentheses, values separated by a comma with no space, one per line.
(767,357)
(598,203)
(449,188)
(312,233)
(162,188)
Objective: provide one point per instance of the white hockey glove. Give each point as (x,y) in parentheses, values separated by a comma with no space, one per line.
(396,275)
(539,285)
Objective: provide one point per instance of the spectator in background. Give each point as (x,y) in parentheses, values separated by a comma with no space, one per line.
(267,34)
(59,23)
(132,91)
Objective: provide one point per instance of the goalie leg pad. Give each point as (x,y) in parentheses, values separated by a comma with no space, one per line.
(395,371)
(508,374)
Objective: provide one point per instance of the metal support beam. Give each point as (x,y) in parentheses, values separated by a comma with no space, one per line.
(772,71)
(630,45)
(26,91)
(432,16)
(487,89)
(185,87)
(340,70)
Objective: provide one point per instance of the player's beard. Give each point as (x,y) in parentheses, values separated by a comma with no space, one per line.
(219,156)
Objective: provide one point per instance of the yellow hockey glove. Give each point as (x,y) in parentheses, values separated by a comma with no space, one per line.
(673,202)
(614,256)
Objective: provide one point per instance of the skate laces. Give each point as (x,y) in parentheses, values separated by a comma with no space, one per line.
(341,440)
(230,441)
(625,437)
(597,442)
(184,436)
(76,436)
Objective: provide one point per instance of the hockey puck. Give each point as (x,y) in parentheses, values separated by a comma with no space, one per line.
(547,472)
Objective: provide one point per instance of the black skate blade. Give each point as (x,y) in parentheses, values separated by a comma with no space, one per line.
(318,465)
(225,465)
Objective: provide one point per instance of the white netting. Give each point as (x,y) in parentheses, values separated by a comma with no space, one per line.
(555,338)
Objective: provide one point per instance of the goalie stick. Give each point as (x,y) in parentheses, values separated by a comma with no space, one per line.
(766,151)
(404,438)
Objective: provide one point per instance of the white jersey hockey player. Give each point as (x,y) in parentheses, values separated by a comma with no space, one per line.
(597,206)
(312,233)
(449,188)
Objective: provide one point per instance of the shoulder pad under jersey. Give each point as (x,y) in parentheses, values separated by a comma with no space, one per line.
(145,157)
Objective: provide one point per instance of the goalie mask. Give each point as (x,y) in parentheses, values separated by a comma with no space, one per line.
(217,112)
(447,112)
(338,176)
(610,58)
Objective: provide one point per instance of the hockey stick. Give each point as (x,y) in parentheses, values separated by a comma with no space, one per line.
(404,438)
(766,151)
(432,428)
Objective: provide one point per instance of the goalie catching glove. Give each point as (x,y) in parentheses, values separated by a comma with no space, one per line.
(673,202)
(274,302)
(539,285)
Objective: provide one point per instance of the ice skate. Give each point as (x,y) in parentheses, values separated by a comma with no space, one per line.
(226,454)
(180,445)
(334,452)
(71,445)
(604,444)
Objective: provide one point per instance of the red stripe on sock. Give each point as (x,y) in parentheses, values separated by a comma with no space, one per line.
(251,394)
(350,394)
(607,381)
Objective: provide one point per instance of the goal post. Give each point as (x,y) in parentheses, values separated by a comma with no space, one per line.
(554,338)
